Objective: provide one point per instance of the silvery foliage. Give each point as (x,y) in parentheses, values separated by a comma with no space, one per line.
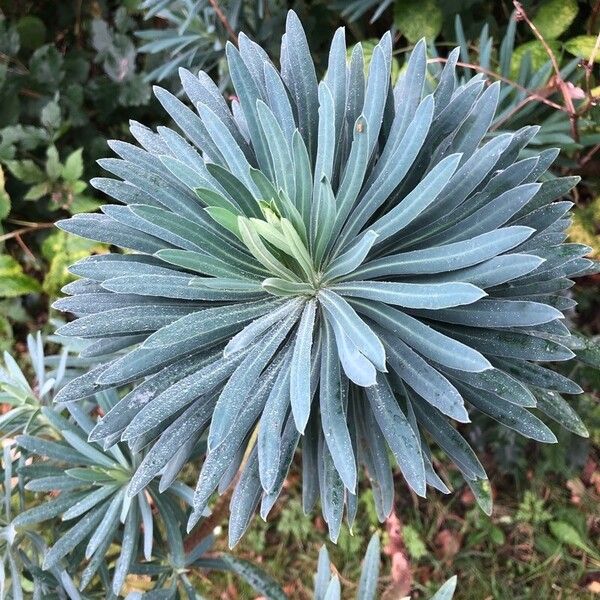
(65,508)
(191,34)
(338,265)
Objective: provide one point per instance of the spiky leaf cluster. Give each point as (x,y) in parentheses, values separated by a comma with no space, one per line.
(188,34)
(342,265)
(90,486)
(21,552)
(60,490)
(355,9)
(17,392)
(192,34)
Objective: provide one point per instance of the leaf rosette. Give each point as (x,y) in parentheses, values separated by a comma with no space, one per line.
(338,265)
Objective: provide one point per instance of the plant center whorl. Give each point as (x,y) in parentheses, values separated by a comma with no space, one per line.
(283,247)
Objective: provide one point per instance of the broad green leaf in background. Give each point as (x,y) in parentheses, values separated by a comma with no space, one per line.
(53,166)
(554,17)
(73,168)
(50,115)
(13,282)
(583,46)
(46,67)
(539,56)
(32,32)
(80,202)
(565,533)
(26,171)
(418,18)
(61,249)
(61,182)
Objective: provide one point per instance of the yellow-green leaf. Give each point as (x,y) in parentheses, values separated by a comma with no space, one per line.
(53,166)
(554,17)
(26,171)
(73,168)
(13,282)
(418,18)
(225,218)
(539,56)
(62,249)
(583,46)
(83,204)
(37,191)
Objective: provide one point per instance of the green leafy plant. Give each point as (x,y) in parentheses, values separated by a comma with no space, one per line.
(65,73)
(116,52)
(60,183)
(192,34)
(193,37)
(24,399)
(92,501)
(350,272)
(532,510)
(65,509)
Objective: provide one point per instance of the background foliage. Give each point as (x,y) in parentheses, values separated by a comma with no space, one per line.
(73,73)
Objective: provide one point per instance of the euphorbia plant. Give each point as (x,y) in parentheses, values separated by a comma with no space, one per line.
(68,529)
(340,266)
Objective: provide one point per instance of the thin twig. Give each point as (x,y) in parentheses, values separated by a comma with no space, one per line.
(515,110)
(25,248)
(589,67)
(533,94)
(560,82)
(18,232)
(23,223)
(587,157)
(223,18)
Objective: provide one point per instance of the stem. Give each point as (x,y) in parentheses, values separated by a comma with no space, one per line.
(18,232)
(589,67)
(560,83)
(223,18)
(25,248)
(532,94)
(587,157)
